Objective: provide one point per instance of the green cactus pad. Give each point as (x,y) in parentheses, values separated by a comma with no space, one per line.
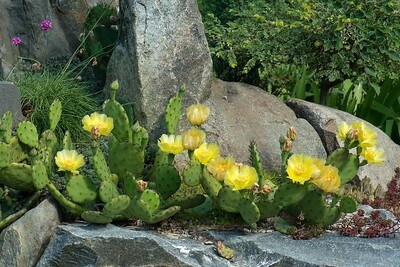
(81,189)
(346,163)
(27,134)
(313,206)
(39,175)
(289,193)
(229,200)
(187,202)
(139,209)
(121,130)
(72,207)
(130,186)
(116,206)
(348,205)
(167,180)
(283,226)
(55,114)
(5,154)
(112,141)
(17,176)
(114,178)
(152,200)
(331,216)
(96,217)
(17,153)
(6,127)
(107,191)
(173,111)
(126,158)
(193,173)
(67,141)
(249,212)
(100,165)
(164,214)
(268,209)
(210,185)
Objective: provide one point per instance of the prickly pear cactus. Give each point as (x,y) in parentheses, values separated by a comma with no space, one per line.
(100,165)
(5,155)
(116,206)
(81,189)
(210,185)
(193,173)
(39,175)
(348,204)
(167,180)
(121,130)
(17,176)
(173,111)
(249,212)
(5,127)
(55,114)
(96,217)
(289,193)
(346,163)
(229,200)
(126,157)
(108,191)
(27,134)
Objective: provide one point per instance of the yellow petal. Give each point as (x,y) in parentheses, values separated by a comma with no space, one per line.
(206,152)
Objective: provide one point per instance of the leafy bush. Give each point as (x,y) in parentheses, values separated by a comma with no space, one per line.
(266,43)
(39,90)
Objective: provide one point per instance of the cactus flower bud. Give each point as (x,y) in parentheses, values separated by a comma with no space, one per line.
(141,185)
(291,134)
(193,138)
(287,146)
(197,114)
(115,85)
(265,189)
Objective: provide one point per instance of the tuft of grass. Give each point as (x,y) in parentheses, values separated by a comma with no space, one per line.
(39,90)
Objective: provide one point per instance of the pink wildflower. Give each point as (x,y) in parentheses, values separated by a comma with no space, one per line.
(16,40)
(46,25)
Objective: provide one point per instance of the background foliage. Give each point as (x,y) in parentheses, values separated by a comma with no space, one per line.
(345,54)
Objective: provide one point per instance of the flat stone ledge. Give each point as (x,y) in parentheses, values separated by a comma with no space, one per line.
(92,245)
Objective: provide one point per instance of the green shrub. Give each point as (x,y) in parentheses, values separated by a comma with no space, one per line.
(39,90)
(266,43)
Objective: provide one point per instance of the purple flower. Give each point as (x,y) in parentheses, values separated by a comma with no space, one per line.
(16,40)
(46,25)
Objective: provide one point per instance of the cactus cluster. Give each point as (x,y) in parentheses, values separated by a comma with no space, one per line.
(18,155)
(119,191)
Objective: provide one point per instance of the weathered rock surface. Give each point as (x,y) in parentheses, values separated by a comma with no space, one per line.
(241,113)
(10,100)
(324,120)
(88,245)
(22,243)
(23,18)
(162,46)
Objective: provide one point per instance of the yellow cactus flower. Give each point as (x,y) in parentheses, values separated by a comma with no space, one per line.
(301,168)
(319,163)
(342,130)
(193,138)
(206,152)
(69,160)
(373,155)
(197,114)
(243,177)
(171,144)
(366,136)
(328,179)
(100,122)
(219,166)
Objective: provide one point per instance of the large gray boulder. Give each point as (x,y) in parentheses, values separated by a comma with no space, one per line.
(22,243)
(23,18)
(88,245)
(325,119)
(10,100)
(162,46)
(241,113)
